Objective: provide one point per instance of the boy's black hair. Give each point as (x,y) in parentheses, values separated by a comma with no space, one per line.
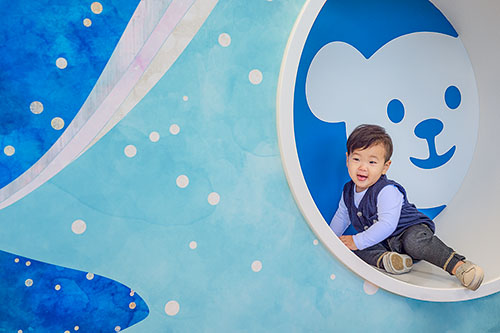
(365,136)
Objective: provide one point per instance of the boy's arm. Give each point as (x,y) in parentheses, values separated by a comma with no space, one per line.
(340,220)
(389,203)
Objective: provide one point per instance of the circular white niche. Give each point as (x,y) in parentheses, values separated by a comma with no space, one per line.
(469,223)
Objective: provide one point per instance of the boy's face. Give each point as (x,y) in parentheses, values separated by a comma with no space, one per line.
(366,166)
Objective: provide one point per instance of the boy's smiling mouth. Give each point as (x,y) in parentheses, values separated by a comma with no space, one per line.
(362,177)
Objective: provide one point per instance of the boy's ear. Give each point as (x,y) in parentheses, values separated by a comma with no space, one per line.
(346,158)
(386,167)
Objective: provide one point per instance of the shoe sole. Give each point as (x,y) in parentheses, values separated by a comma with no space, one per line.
(397,262)
(409,262)
(400,263)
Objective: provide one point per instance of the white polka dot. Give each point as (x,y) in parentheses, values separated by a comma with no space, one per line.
(89,276)
(87,22)
(255,76)
(61,63)
(57,123)
(36,107)
(224,39)
(130,151)
(256,266)
(175,129)
(28,282)
(213,198)
(9,150)
(28,263)
(77,328)
(193,245)
(172,308)
(332,277)
(369,288)
(57,287)
(20,331)
(182,181)
(78,227)
(185,98)
(118,329)
(16,260)
(315,242)
(96,7)
(154,136)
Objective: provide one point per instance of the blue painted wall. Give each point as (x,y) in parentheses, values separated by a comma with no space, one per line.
(247,262)
(34,35)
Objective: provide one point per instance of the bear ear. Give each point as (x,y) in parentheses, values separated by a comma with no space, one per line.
(334,75)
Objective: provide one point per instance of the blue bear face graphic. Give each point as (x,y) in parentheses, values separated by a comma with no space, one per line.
(421,88)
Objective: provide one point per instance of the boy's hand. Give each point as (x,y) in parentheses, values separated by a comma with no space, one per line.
(349,242)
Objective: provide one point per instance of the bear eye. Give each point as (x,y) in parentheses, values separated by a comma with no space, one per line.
(452,97)
(395,111)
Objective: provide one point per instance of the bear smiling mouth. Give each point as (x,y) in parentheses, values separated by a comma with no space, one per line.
(428,130)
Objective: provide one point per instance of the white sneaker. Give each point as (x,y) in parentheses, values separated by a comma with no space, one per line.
(470,275)
(397,263)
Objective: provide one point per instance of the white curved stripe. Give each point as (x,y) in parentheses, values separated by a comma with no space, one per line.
(150,26)
(173,47)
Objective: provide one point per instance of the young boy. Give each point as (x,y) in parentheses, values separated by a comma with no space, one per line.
(391,231)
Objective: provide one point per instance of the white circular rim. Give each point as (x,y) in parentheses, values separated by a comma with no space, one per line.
(300,191)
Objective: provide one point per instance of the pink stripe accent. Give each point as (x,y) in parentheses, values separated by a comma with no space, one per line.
(121,90)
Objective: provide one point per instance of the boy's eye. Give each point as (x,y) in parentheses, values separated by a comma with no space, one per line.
(373,162)
(356,159)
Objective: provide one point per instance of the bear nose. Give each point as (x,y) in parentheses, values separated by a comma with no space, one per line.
(429,128)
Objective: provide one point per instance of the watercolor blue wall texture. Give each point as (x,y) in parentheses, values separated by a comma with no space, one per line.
(31,34)
(199,221)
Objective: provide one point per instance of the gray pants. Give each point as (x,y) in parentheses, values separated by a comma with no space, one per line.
(417,241)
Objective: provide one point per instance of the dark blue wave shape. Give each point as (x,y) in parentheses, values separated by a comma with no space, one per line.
(33,35)
(39,297)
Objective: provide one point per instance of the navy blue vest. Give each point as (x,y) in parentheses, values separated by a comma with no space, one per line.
(365,215)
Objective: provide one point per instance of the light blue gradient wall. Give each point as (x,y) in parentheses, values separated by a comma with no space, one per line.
(140,224)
